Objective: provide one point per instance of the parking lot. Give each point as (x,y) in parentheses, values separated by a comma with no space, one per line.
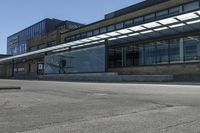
(75,107)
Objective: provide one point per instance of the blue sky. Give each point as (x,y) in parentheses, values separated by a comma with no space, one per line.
(18,14)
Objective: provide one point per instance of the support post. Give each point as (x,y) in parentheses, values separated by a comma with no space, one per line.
(106,55)
(181,50)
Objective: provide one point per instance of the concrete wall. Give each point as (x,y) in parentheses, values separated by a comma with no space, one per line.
(78,61)
(163,70)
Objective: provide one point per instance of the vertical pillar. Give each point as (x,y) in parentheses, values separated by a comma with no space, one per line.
(123,56)
(106,55)
(181,50)
(13,67)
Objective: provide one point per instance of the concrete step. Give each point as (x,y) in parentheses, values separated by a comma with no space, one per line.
(106,77)
(187,77)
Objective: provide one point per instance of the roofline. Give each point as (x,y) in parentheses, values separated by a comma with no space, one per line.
(138,6)
(84,26)
(103,20)
(32,26)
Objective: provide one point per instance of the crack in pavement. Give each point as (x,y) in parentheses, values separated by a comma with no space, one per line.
(176,125)
(48,125)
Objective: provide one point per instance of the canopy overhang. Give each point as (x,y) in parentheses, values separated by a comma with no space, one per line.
(186,19)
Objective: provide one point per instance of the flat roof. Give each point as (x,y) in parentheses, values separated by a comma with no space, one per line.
(133,8)
(32,26)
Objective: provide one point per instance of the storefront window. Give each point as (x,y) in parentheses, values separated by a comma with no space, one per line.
(162,52)
(192,48)
(150,54)
(174,51)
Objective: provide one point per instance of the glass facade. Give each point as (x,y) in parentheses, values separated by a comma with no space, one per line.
(180,50)
(17,44)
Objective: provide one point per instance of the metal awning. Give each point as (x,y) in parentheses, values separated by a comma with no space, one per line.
(171,23)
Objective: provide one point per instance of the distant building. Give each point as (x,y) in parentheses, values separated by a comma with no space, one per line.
(17,43)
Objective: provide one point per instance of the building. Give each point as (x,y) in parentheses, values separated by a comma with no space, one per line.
(17,43)
(151,37)
(3,66)
(50,39)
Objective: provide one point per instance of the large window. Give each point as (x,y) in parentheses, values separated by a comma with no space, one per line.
(180,50)
(192,48)
(115,57)
(191,6)
(150,54)
(163,52)
(132,56)
(174,51)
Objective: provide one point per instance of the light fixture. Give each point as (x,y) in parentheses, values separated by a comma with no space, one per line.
(124,31)
(177,25)
(145,32)
(187,16)
(162,28)
(103,36)
(112,34)
(168,21)
(63,49)
(94,38)
(111,39)
(85,40)
(137,28)
(193,22)
(134,34)
(151,25)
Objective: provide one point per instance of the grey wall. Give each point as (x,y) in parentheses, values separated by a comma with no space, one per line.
(78,61)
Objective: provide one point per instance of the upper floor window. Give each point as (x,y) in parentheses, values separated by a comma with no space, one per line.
(149,17)
(103,30)
(138,20)
(111,28)
(191,6)
(96,32)
(119,25)
(162,14)
(175,10)
(128,23)
(89,33)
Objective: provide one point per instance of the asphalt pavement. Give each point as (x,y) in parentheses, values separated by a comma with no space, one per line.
(75,107)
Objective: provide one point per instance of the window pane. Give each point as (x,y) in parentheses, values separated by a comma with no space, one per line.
(175,10)
(162,52)
(162,14)
(149,17)
(149,54)
(175,51)
(132,56)
(89,33)
(96,32)
(115,57)
(118,57)
(192,48)
(103,30)
(83,35)
(111,53)
(128,23)
(138,20)
(119,26)
(111,28)
(191,6)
